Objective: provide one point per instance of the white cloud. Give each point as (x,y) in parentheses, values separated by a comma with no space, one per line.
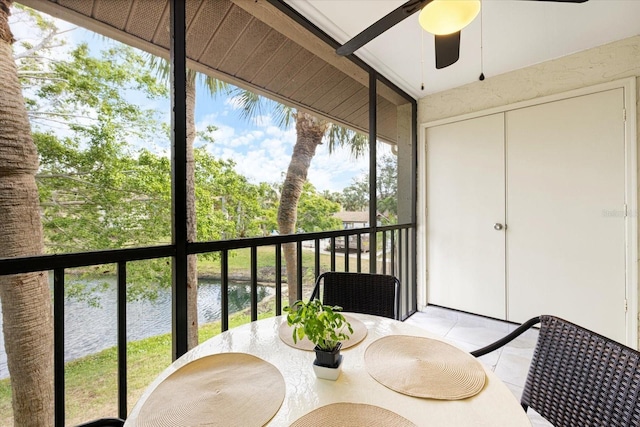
(266,159)
(260,149)
(261,166)
(262,153)
(263,121)
(334,171)
(223,134)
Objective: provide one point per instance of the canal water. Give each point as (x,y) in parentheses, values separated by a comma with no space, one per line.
(90,328)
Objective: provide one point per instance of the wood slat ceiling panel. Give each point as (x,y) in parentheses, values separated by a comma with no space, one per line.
(193,6)
(287,75)
(112,12)
(360,116)
(84,7)
(227,41)
(387,120)
(161,36)
(229,33)
(275,62)
(144,21)
(323,85)
(204,26)
(314,81)
(304,76)
(344,89)
(353,103)
(244,48)
(265,49)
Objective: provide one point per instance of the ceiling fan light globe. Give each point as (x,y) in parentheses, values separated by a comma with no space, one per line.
(442,17)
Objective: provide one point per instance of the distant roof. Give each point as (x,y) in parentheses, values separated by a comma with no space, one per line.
(350,216)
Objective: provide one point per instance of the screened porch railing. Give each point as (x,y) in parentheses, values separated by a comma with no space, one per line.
(395,256)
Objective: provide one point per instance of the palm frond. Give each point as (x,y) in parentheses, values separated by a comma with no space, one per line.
(252,106)
(249,103)
(284,115)
(339,136)
(214,86)
(162,68)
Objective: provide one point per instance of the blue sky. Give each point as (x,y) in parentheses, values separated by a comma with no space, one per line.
(260,149)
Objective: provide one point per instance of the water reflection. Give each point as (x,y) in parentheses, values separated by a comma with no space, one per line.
(90,329)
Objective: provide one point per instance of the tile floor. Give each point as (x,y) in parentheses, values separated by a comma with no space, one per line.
(470,332)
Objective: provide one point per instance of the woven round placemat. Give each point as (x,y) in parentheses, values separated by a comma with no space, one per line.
(359,333)
(424,367)
(226,389)
(352,414)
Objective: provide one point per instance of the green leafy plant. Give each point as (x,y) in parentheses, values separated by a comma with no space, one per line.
(322,324)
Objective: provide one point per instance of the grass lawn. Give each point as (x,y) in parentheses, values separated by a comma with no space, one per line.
(240,262)
(91,382)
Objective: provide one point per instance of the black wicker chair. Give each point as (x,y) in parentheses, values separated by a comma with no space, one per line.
(578,377)
(104,422)
(377,294)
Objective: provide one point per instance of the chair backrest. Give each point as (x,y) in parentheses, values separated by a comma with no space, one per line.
(377,294)
(104,422)
(580,378)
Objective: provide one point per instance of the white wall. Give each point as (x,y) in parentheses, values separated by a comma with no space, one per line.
(606,63)
(602,64)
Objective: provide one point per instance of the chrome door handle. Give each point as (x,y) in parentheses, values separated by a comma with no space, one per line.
(498,226)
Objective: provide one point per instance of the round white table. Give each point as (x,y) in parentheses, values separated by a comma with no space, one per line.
(495,405)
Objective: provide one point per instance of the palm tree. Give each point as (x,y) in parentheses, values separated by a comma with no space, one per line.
(26,300)
(310,132)
(162,67)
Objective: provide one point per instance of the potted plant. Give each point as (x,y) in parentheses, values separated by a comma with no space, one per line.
(325,327)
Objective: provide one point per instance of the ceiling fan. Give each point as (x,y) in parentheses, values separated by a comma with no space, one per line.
(437,17)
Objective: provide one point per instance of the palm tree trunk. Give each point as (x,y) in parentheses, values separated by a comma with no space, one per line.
(26,299)
(192,260)
(309,133)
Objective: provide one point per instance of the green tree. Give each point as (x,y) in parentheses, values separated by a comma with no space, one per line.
(228,206)
(81,214)
(95,192)
(269,200)
(387,187)
(85,177)
(82,123)
(334,196)
(315,212)
(310,133)
(355,197)
(162,68)
(25,298)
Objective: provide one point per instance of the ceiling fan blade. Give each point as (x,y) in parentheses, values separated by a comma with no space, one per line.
(383,24)
(447,49)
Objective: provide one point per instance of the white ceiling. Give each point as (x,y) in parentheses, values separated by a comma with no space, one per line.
(515,34)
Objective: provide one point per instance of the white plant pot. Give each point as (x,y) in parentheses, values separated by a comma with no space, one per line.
(327,373)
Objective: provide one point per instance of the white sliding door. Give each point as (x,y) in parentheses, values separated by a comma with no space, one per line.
(465,199)
(565,211)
